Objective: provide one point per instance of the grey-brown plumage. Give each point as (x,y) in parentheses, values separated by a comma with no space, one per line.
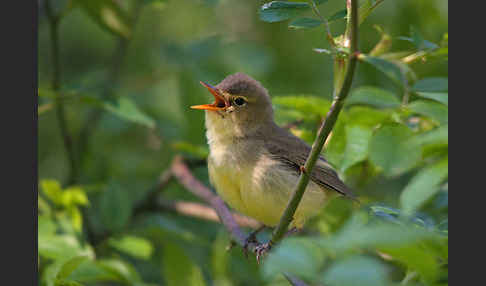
(253,163)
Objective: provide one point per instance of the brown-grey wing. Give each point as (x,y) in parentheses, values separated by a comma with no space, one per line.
(292,152)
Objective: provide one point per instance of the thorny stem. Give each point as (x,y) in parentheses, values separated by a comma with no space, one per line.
(324,131)
(56,85)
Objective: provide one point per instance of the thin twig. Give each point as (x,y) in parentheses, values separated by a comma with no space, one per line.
(204,212)
(324,131)
(56,85)
(326,23)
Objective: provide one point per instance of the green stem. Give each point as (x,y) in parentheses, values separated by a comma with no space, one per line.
(56,84)
(324,131)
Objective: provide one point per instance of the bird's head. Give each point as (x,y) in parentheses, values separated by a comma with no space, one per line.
(241,104)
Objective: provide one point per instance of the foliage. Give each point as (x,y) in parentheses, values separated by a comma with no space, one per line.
(129,71)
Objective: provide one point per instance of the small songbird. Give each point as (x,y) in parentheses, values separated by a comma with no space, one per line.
(253,163)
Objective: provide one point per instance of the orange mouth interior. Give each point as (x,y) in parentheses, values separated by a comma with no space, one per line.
(219,102)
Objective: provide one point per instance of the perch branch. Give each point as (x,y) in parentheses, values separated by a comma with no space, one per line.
(323,133)
(185,177)
(203,211)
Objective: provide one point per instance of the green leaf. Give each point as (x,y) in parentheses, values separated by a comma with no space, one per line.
(52,190)
(127,110)
(432,84)
(109,15)
(277,11)
(423,186)
(358,234)
(389,149)
(304,103)
(367,116)
(357,270)
(419,42)
(357,141)
(62,247)
(390,69)
(70,266)
(416,258)
(431,109)
(199,151)
(74,196)
(319,2)
(123,271)
(90,271)
(342,14)
(441,97)
(115,208)
(365,9)
(373,96)
(304,23)
(299,256)
(438,135)
(178,269)
(132,245)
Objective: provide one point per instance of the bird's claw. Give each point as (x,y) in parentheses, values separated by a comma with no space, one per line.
(250,239)
(261,250)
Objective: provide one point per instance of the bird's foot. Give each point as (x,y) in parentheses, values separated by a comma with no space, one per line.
(249,240)
(302,169)
(261,250)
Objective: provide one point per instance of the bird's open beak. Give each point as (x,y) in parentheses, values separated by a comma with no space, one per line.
(219,102)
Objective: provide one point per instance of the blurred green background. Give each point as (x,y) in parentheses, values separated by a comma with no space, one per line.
(128,72)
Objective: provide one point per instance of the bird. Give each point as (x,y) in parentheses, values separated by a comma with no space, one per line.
(253,163)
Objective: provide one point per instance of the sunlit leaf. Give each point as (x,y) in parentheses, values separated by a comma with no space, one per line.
(52,190)
(389,149)
(304,103)
(178,267)
(304,23)
(374,96)
(357,141)
(438,135)
(61,247)
(132,245)
(431,109)
(423,186)
(276,11)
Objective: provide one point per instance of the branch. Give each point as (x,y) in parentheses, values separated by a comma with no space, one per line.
(203,211)
(324,131)
(185,177)
(53,21)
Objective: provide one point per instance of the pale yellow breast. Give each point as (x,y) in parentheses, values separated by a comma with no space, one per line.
(253,183)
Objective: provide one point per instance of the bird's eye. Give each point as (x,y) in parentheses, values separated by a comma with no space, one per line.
(240,101)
